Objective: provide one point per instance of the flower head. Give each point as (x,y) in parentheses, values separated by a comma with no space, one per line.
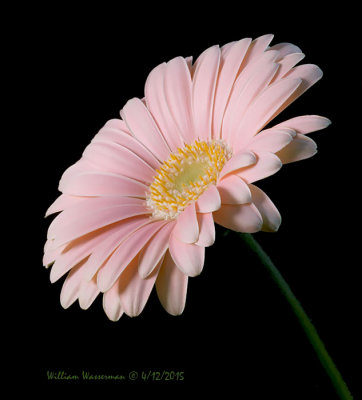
(138,209)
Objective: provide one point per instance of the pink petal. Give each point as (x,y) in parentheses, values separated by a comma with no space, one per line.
(134,291)
(126,140)
(207,230)
(88,292)
(189,258)
(251,82)
(300,148)
(187,228)
(262,110)
(240,218)
(111,157)
(51,254)
(285,49)
(71,285)
(116,123)
(270,214)
(239,160)
(177,85)
(143,127)
(286,64)
(152,254)
(203,90)
(102,184)
(271,140)
(231,58)
(233,190)
(306,123)
(157,104)
(124,254)
(62,202)
(120,233)
(111,303)
(209,201)
(267,164)
(171,286)
(89,221)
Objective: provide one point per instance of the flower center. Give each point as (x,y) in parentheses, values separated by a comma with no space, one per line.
(185,176)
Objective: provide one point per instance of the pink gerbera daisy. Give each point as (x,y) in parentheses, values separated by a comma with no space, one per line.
(138,209)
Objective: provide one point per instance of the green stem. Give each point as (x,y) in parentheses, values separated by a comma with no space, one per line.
(325,359)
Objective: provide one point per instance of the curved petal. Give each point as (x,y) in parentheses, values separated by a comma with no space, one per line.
(231,59)
(116,159)
(124,254)
(171,286)
(103,184)
(62,202)
(187,228)
(156,102)
(233,190)
(270,214)
(305,123)
(143,127)
(207,230)
(88,292)
(177,86)
(153,252)
(209,201)
(271,140)
(300,148)
(267,164)
(111,304)
(71,285)
(239,218)
(203,90)
(134,291)
(285,49)
(239,160)
(286,64)
(189,258)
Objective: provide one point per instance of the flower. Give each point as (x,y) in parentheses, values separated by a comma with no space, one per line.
(138,209)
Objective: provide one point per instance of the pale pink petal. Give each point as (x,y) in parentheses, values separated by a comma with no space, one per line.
(115,123)
(103,184)
(142,125)
(262,110)
(266,67)
(187,228)
(286,64)
(209,201)
(125,139)
(157,104)
(258,81)
(111,303)
(189,258)
(305,123)
(233,190)
(87,222)
(88,292)
(239,218)
(111,157)
(300,148)
(257,47)
(203,90)
(231,59)
(285,49)
(270,214)
(134,291)
(177,86)
(239,160)
(51,254)
(267,164)
(171,286)
(207,230)
(152,253)
(271,140)
(62,202)
(309,74)
(124,254)
(71,285)
(116,236)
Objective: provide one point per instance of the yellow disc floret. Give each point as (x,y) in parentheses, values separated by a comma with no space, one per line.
(185,176)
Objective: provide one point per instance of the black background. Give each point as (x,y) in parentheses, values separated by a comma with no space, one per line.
(78,68)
